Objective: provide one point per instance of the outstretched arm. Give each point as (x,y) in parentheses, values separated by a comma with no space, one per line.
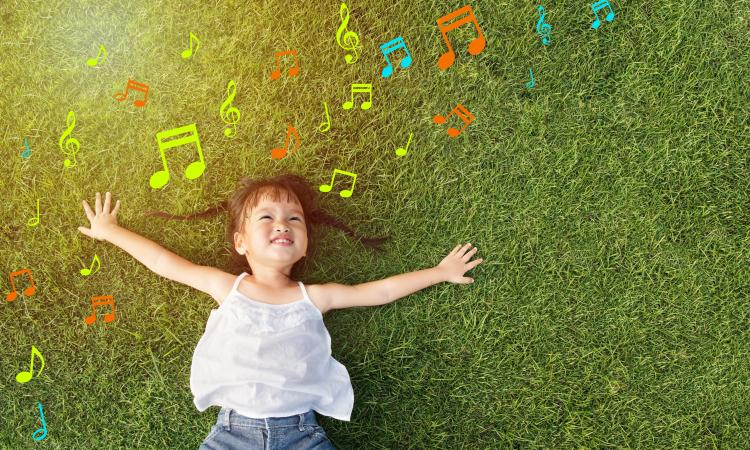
(452,268)
(156,258)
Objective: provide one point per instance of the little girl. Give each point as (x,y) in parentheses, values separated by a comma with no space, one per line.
(265,357)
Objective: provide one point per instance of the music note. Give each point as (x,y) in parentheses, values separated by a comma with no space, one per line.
(542,28)
(475,47)
(601,4)
(462,113)
(43,430)
(102,300)
(86,272)
(71,144)
(229,114)
(194,170)
(530,84)
(344,193)
(23,376)
(350,39)
(189,52)
(325,126)
(136,86)
(94,61)
(34,221)
(293,71)
(391,46)
(402,151)
(28,292)
(356,88)
(278,153)
(26,153)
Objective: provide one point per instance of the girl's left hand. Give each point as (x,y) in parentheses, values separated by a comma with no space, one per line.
(457,263)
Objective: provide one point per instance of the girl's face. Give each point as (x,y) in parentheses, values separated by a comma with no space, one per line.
(273,233)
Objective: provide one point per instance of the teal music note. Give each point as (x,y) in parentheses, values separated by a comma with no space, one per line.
(39,437)
(530,84)
(388,48)
(542,28)
(26,153)
(596,7)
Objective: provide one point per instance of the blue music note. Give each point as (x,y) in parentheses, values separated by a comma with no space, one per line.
(391,46)
(601,4)
(43,430)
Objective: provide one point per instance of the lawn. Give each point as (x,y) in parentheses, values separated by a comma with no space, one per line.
(609,202)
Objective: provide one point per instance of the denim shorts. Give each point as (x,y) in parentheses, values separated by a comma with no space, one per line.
(234,432)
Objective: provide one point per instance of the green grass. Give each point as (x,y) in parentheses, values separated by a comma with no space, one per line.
(609,204)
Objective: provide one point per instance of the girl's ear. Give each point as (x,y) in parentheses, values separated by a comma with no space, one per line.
(238,244)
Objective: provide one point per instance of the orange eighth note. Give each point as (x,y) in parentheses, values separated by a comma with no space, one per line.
(452,21)
(278,153)
(136,86)
(462,113)
(28,292)
(102,300)
(293,71)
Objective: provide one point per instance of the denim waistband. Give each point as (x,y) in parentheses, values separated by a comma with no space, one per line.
(229,418)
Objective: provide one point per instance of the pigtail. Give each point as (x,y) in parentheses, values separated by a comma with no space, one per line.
(221,207)
(319,216)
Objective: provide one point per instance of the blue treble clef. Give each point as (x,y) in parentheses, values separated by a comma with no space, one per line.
(543,28)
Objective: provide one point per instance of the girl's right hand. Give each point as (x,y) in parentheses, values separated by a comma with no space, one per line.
(101,221)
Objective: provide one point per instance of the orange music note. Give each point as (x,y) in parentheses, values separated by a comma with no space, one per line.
(28,292)
(293,71)
(189,52)
(102,300)
(278,153)
(136,86)
(345,192)
(463,113)
(475,47)
(194,170)
(23,376)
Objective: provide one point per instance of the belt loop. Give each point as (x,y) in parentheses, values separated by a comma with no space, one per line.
(301,422)
(225,419)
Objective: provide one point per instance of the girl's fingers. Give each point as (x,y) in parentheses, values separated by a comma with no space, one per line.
(469,254)
(455,249)
(107,202)
(117,208)
(98,203)
(89,212)
(85,231)
(464,248)
(474,263)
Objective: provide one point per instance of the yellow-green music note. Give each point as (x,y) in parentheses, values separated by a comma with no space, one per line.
(71,144)
(345,193)
(194,170)
(229,114)
(102,54)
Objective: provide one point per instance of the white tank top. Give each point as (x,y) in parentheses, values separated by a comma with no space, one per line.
(266,360)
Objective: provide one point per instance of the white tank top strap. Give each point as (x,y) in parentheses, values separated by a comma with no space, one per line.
(237,281)
(304,291)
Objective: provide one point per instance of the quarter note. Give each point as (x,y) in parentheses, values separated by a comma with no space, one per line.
(24,377)
(189,52)
(86,272)
(102,54)
(601,4)
(28,292)
(356,88)
(530,84)
(345,193)
(350,40)
(229,114)
(402,151)
(71,144)
(325,126)
(445,25)
(26,153)
(293,71)
(278,153)
(460,111)
(34,221)
(391,46)
(136,86)
(102,300)
(194,170)
(42,430)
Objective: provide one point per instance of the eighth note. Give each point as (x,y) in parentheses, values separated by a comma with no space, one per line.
(189,52)
(462,113)
(356,88)
(28,292)
(345,193)
(102,300)
(86,272)
(601,4)
(278,153)
(23,376)
(26,153)
(34,221)
(293,71)
(102,54)
(136,86)
(390,47)
(325,126)
(194,170)
(40,433)
(445,25)
(530,84)
(402,151)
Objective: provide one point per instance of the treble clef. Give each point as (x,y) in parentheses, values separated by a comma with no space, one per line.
(351,40)
(543,28)
(71,144)
(230,115)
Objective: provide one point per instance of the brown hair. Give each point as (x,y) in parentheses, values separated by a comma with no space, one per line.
(249,194)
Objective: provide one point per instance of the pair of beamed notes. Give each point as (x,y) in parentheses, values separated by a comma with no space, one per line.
(178,137)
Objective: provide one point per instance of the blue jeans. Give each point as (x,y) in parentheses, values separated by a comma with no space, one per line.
(234,432)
